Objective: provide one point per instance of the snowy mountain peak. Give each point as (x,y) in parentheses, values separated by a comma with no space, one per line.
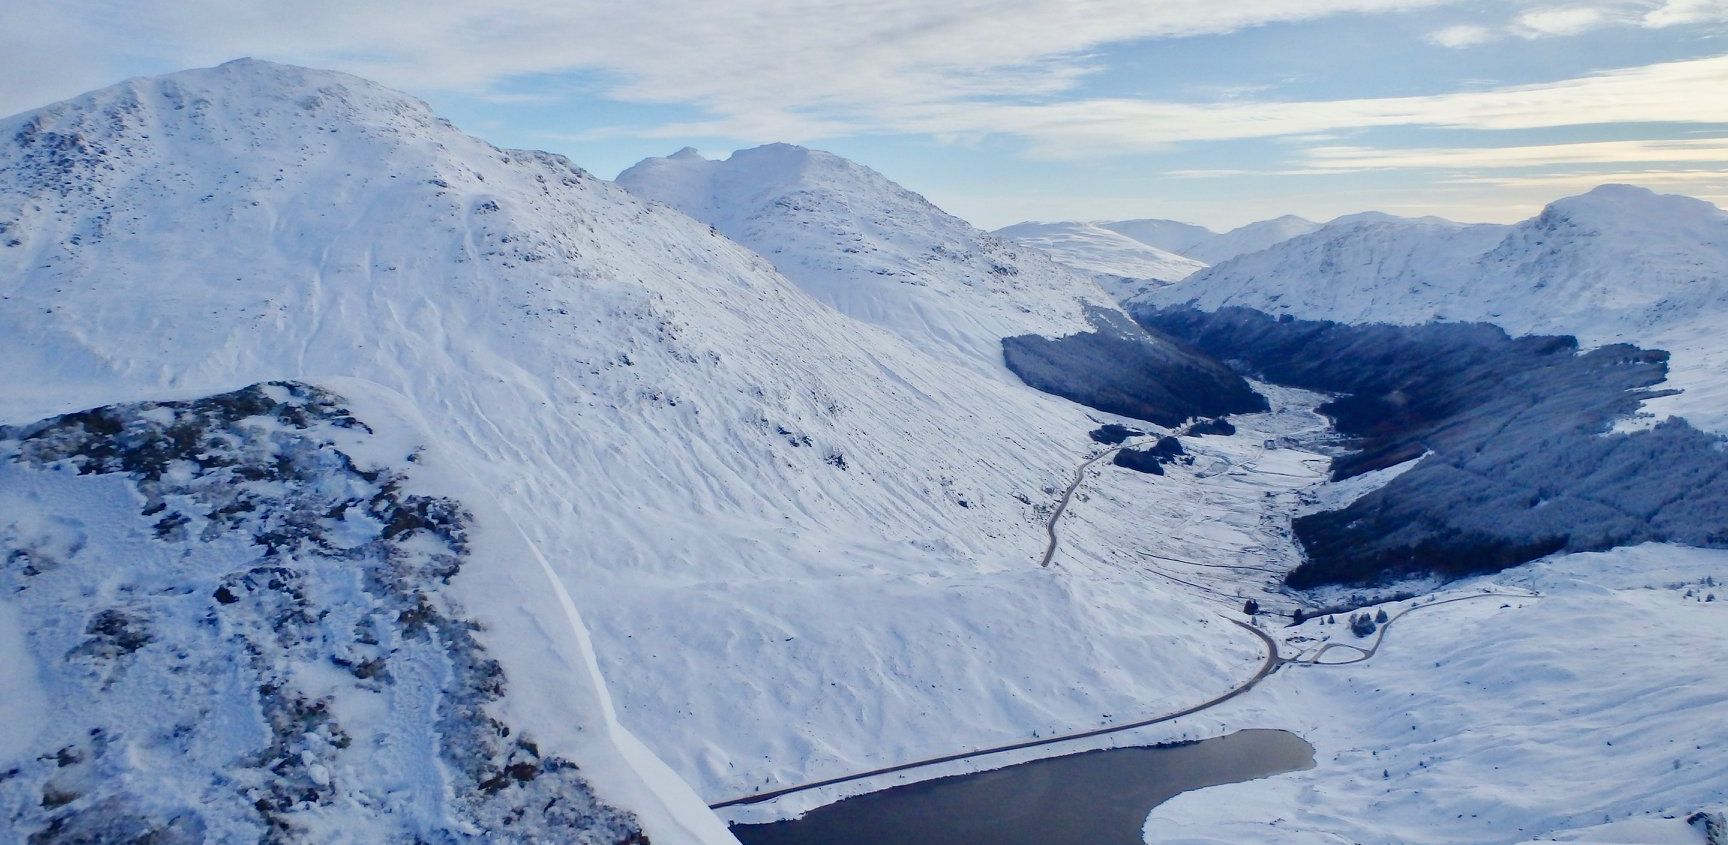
(1373,218)
(874,250)
(1250,238)
(1633,211)
(271,91)
(1619,263)
(643,409)
(250,122)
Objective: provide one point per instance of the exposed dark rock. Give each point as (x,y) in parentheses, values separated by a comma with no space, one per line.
(1521,460)
(284,553)
(1123,369)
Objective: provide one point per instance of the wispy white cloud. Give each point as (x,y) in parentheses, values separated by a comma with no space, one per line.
(1660,151)
(1551,21)
(1558,21)
(741,59)
(954,70)
(1680,12)
(1463,36)
(1673,92)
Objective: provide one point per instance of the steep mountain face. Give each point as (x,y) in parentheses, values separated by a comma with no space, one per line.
(882,254)
(1618,264)
(1355,270)
(872,249)
(765,510)
(1517,458)
(1122,266)
(1510,437)
(246,615)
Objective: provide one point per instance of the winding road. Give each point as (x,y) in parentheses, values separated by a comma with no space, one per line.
(1068,495)
(1272,662)
(1270,665)
(1364,653)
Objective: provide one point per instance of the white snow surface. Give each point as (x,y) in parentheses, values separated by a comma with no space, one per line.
(801,532)
(1591,713)
(1121,265)
(1617,264)
(1167,235)
(1128,258)
(1250,238)
(802,544)
(875,251)
(91,549)
(1203,244)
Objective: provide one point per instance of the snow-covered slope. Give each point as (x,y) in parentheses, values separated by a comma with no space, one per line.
(1504,719)
(1209,247)
(803,544)
(239,618)
(1619,263)
(1353,270)
(1250,238)
(1121,265)
(874,250)
(1129,257)
(1167,235)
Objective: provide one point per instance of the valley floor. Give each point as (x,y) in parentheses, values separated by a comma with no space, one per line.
(1502,720)
(1581,702)
(1208,535)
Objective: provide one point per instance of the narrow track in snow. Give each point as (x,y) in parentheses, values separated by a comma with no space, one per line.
(1068,495)
(1364,653)
(1267,667)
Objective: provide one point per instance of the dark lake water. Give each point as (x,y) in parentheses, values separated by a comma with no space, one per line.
(1090,798)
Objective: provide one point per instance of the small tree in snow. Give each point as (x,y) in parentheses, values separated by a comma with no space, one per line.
(1381,616)
(1362,624)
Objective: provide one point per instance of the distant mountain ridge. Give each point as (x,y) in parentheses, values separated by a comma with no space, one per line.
(1122,266)
(1130,257)
(1616,264)
(872,249)
(877,252)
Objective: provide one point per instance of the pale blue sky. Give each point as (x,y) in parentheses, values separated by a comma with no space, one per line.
(1211,111)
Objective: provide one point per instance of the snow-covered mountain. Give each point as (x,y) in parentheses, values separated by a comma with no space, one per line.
(1121,265)
(784,525)
(1252,237)
(1130,257)
(884,255)
(1209,247)
(874,250)
(1617,264)
(1167,235)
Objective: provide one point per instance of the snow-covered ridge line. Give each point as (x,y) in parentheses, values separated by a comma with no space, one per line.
(1128,258)
(1616,264)
(1120,264)
(874,250)
(884,255)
